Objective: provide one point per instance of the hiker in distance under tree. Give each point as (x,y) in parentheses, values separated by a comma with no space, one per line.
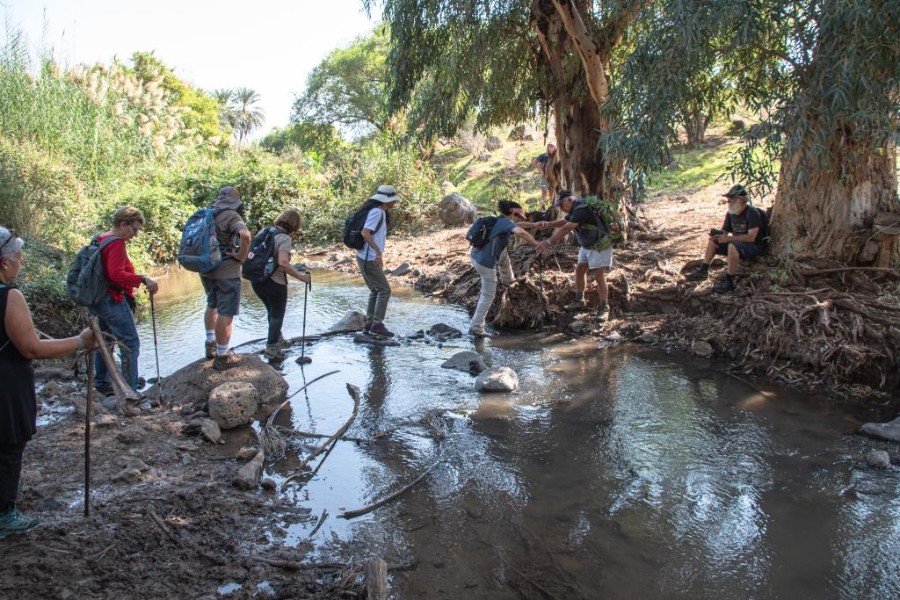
(595,253)
(273,288)
(370,258)
(487,256)
(115,311)
(744,234)
(19,344)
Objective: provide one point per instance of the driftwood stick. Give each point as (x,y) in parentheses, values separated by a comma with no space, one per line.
(122,390)
(162,525)
(318,526)
(850,269)
(376,579)
(290,565)
(354,393)
(291,341)
(352,514)
(89,409)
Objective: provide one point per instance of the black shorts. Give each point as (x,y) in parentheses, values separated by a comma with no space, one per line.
(744,249)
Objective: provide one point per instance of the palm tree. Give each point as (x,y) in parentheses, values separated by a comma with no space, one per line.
(248,116)
(227,112)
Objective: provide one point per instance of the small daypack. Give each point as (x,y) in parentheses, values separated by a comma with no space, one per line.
(479,234)
(261,262)
(607,214)
(86,280)
(353,226)
(199,250)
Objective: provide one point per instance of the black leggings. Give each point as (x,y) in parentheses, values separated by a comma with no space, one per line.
(10,471)
(274,297)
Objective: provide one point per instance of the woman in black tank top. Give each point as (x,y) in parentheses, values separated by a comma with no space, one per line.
(19,344)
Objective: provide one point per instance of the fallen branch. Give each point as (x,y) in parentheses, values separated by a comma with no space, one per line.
(318,525)
(162,525)
(283,404)
(354,393)
(352,514)
(289,565)
(122,390)
(890,270)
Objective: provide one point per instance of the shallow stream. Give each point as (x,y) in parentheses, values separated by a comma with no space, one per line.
(611,473)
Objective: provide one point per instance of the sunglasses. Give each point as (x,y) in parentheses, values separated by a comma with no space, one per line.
(12,235)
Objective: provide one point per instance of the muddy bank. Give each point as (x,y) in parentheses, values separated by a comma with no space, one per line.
(813,325)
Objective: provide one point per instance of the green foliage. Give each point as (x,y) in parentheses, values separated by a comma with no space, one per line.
(692,169)
(318,143)
(42,281)
(348,87)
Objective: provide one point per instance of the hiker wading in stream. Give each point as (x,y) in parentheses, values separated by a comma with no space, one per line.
(19,344)
(115,311)
(273,290)
(223,284)
(492,255)
(595,252)
(370,258)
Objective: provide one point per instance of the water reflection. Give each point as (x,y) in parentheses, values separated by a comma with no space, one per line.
(614,473)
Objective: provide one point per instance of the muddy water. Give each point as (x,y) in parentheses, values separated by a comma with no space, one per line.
(614,473)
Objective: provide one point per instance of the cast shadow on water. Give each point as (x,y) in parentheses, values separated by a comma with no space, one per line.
(610,473)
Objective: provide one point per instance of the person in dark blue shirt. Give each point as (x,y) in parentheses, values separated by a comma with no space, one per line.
(486,259)
(744,234)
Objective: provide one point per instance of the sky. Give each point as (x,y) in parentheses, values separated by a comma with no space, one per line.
(267,45)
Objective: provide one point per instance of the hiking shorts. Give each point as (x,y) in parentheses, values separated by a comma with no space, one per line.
(744,249)
(224,295)
(596,259)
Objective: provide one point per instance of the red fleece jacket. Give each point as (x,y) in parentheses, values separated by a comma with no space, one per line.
(119,270)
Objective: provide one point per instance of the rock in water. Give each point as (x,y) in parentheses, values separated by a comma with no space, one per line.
(444,332)
(455,210)
(210,430)
(352,321)
(883,431)
(233,404)
(702,349)
(192,384)
(498,379)
(248,476)
(401,270)
(878,459)
(375,340)
(466,361)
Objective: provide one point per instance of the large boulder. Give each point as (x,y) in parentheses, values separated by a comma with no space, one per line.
(883,431)
(455,211)
(352,321)
(466,361)
(191,385)
(497,379)
(233,404)
(493,143)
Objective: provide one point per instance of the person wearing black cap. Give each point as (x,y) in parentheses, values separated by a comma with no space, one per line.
(370,258)
(595,253)
(743,235)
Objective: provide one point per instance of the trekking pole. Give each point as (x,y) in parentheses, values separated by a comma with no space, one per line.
(89,408)
(156,350)
(303,360)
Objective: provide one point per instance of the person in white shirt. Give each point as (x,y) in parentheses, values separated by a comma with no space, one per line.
(370,258)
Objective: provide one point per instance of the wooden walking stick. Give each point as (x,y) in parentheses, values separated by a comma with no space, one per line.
(89,408)
(123,391)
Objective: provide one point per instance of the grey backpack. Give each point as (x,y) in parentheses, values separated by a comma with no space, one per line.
(86,281)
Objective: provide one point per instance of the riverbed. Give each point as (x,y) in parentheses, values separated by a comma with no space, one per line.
(613,472)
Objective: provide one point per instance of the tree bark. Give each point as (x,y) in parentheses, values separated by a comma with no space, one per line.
(835,211)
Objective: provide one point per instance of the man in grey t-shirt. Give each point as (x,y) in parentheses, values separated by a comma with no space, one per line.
(223,284)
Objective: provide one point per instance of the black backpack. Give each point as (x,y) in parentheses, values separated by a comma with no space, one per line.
(86,280)
(353,226)
(479,234)
(261,260)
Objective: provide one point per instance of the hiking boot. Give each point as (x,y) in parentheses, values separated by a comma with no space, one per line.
(221,363)
(104,390)
(726,284)
(378,328)
(368,325)
(577,305)
(603,311)
(698,274)
(480,332)
(274,352)
(15,522)
(210,350)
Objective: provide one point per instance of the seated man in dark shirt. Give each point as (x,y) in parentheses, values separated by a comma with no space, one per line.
(744,235)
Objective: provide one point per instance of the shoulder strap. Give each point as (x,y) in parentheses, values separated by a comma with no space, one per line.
(108,241)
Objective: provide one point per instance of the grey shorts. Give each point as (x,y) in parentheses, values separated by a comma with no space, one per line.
(596,259)
(224,295)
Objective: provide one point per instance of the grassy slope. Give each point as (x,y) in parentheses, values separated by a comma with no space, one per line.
(507,174)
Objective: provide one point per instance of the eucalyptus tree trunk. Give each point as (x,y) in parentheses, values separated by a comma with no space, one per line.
(695,127)
(845,210)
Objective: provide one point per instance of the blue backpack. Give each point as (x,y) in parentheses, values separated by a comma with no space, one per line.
(199,250)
